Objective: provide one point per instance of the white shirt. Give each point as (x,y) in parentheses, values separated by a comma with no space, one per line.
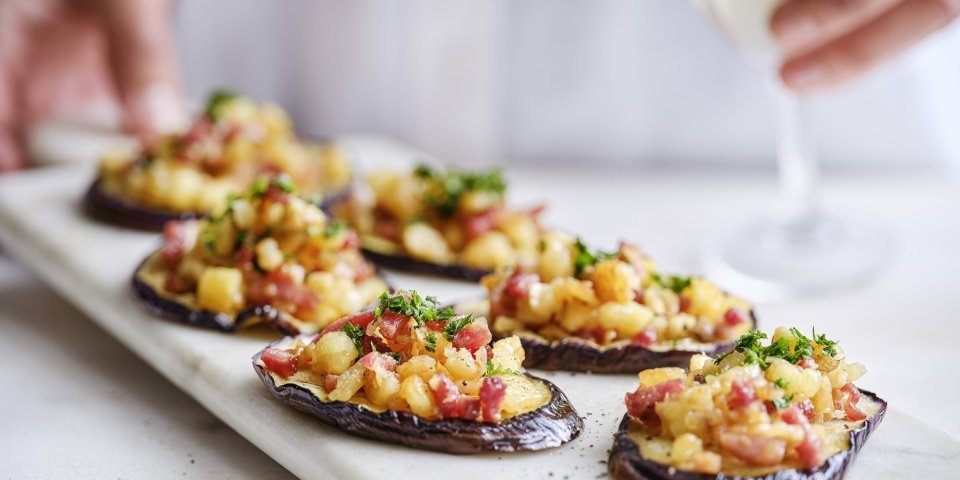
(623,82)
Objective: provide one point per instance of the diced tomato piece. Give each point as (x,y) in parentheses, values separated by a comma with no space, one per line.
(519,284)
(754,450)
(640,403)
(278,361)
(479,223)
(393,324)
(742,393)
(360,319)
(645,338)
(809,450)
(174,242)
(452,403)
(330,382)
(472,337)
(492,393)
(734,316)
(378,362)
(684,303)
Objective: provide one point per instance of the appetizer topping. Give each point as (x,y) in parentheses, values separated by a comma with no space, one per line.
(391,358)
(445,217)
(763,407)
(233,142)
(268,247)
(610,299)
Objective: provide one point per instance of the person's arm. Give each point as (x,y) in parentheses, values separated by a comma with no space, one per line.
(829,42)
(57,52)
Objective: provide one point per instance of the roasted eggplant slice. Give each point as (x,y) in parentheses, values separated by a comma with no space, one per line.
(426,380)
(442,222)
(188,175)
(268,257)
(782,411)
(579,310)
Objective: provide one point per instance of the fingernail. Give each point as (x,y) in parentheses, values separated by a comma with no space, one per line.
(804,75)
(794,28)
(160,109)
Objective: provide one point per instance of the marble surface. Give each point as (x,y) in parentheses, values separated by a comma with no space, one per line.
(899,326)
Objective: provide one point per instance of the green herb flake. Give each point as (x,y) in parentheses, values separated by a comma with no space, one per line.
(419,308)
(239,240)
(394,355)
(782,402)
(431,342)
(445,188)
(584,258)
(216,102)
(781,383)
(259,187)
(335,229)
(455,325)
(496,370)
(356,334)
(283,182)
(827,346)
(793,348)
(675,283)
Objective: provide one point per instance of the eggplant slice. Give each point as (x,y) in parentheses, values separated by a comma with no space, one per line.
(119,211)
(408,264)
(165,306)
(576,355)
(626,463)
(549,426)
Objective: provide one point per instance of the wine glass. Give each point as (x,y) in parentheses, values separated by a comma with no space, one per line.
(795,250)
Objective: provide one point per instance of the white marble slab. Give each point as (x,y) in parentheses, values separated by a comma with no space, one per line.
(90,264)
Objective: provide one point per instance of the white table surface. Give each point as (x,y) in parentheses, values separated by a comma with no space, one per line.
(78,404)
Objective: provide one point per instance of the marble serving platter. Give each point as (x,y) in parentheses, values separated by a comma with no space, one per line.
(89,264)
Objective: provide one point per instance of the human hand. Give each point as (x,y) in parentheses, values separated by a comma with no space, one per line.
(829,42)
(55,54)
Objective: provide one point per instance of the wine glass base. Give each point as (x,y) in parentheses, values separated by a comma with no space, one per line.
(766,261)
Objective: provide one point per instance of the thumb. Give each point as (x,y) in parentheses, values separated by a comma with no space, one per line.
(143,61)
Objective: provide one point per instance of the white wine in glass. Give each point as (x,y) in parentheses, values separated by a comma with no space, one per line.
(796,250)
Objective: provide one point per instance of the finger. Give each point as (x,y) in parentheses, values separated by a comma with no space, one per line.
(801,25)
(143,60)
(861,50)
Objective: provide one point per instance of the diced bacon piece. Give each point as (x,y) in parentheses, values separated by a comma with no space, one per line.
(854,414)
(646,338)
(640,403)
(638,296)
(176,241)
(809,450)
(275,194)
(808,363)
(754,450)
(492,393)
(393,324)
(734,316)
(479,223)
(472,337)
(684,303)
(360,319)
(742,393)
(278,361)
(330,382)
(378,362)
(596,335)
(806,408)
(519,284)
(174,283)
(243,257)
(373,343)
(452,403)
(853,391)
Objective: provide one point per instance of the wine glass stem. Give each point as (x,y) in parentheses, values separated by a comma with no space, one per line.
(796,158)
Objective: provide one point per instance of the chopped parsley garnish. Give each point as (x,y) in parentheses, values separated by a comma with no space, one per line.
(444,188)
(753,352)
(335,229)
(262,184)
(218,99)
(316,200)
(284,183)
(584,258)
(431,342)
(782,402)
(259,187)
(239,240)
(394,355)
(419,308)
(144,160)
(675,283)
(781,383)
(494,370)
(455,325)
(356,334)
(208,242)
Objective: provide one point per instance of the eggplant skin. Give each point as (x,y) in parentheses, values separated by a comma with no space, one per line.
(626,463)
(408,264)
(549,426)
(118,211)
(160,305)
(578,356)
